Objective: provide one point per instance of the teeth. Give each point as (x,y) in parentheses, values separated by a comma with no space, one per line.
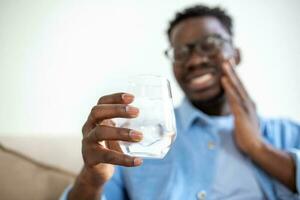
(202,79)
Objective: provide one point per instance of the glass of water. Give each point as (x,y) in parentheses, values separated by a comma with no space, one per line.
(156,118)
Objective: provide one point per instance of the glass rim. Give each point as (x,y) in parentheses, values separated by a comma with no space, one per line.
(150,77)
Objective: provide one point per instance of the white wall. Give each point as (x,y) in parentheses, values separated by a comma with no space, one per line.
(58,57)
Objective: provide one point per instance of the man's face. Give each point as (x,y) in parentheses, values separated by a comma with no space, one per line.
(199,74)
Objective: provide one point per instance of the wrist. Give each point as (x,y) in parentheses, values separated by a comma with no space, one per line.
(257,148)
(89,176)
(87,186)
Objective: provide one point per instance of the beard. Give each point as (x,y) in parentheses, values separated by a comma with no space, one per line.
(213,106)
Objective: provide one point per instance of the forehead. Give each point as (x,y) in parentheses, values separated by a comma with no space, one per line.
(193,29)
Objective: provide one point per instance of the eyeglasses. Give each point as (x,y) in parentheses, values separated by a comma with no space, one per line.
(210,45)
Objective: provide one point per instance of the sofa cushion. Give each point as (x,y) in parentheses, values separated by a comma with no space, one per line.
(23,178)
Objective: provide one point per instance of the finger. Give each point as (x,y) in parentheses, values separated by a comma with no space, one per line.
(230,92)
(113,145)
(234,99)
(101,133)
(88,127)
(117,98)
(108,111)
(101,155)
(235,80)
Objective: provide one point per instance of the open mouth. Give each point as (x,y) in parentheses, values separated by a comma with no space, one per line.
(201,82)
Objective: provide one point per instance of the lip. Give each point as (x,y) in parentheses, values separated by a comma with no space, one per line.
(201,81)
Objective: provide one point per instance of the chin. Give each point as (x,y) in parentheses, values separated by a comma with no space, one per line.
(206,97)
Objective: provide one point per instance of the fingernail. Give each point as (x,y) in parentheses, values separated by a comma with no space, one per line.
(135,135)
(137,161)
(127,97)
(132,110)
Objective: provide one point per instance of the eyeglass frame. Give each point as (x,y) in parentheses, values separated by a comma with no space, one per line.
(193,47)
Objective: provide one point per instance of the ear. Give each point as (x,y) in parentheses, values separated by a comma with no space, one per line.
(237,56)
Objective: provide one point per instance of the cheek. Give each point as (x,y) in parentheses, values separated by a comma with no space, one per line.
(219,60)
(177,72)
(226,54)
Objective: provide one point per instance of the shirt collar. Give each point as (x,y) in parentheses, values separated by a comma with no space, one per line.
(189,114)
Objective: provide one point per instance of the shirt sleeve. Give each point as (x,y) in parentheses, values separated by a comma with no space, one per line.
(113,190)
(284,134)
(65,193)
(295,153)
(293,148)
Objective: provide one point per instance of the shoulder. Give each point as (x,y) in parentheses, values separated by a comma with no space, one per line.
(279,125)
(281,132)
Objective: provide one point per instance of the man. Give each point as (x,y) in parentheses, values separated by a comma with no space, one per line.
(223,150)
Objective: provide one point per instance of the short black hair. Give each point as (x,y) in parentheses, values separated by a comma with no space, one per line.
(201,11)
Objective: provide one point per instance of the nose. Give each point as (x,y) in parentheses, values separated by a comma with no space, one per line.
(195,60)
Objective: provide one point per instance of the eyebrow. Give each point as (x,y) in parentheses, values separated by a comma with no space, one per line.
(201,39)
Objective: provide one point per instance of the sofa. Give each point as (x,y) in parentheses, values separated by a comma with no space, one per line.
(37,168)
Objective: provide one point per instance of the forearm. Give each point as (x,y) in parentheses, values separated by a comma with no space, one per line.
(86,186)
(277,163)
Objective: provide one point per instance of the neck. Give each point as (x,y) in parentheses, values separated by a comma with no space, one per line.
(217,106)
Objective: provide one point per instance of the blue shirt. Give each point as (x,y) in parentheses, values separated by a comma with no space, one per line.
(234,177)
(204,163)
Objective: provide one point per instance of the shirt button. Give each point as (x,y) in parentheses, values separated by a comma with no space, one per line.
(201,195)
(211,145)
